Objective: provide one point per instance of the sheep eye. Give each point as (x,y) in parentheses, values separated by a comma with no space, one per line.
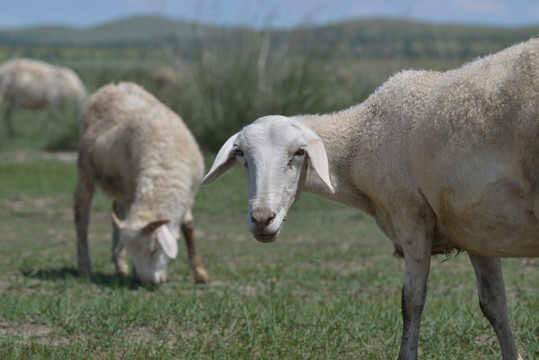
(299,152)
(153,248)
(238,152)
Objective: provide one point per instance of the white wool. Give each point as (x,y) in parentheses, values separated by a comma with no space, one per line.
(442,161)
(33,84)
(142,155)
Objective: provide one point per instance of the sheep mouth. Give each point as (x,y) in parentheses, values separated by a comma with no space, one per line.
(266,238)
(269,233)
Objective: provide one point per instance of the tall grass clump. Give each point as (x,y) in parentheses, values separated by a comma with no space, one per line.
(231,83)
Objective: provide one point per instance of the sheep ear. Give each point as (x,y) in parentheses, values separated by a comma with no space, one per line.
(165,238)
(318,160)
(167,241)
(152,226)
(223,162)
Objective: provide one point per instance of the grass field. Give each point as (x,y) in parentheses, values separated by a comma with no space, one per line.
(328,288)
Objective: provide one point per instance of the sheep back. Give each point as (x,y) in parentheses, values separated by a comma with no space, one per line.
(34,84)
(467,139)
(138,150)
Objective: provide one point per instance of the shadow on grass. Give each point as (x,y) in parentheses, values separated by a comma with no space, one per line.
(99,278)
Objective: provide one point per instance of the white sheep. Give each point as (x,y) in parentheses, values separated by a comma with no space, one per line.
(442,161)
(32,84)
(141,154)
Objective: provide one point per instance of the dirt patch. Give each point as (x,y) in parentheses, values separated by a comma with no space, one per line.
(50,209)
(28,156)
(32,333)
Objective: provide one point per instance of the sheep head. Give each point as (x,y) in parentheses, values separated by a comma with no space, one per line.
(279,156)
(150,246)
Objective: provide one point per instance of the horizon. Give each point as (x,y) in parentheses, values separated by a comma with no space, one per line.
(273,14)
(231,26)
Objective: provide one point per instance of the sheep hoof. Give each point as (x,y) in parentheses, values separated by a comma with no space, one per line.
(201,276)
(122,268)
(85,271)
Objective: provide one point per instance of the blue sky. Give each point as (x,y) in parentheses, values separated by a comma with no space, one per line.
(274,13)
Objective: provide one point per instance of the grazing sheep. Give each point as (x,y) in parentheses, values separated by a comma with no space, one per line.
(141,154)
(167,82)
(166,78)
(33,85)
(442,161)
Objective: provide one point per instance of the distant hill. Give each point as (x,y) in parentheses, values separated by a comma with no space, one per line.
(395,38)
(369,38)
(41,35)
(135,31)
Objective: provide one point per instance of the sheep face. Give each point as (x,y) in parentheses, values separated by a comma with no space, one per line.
(279,156)
(150,248)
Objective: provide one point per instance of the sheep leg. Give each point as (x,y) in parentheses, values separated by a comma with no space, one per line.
(118,250)
(45,122)
(416,242)
(414,293)
(492,300)
(7,118)
(83,198)
(195,261)
(54,113)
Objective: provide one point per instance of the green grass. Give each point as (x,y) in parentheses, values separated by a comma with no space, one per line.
(328,288)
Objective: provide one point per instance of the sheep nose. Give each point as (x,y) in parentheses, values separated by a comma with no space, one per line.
(262,218)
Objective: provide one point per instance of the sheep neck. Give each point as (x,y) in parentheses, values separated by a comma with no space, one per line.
(156,201)
(338,133)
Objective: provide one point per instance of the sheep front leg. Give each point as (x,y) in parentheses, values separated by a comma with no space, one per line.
(195,261)
(416,241)
(414,293)
(118,249)
(492,300)
(83,198)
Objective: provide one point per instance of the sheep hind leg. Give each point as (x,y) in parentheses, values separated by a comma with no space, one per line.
(195,261)
(83,198)
(52,113)
(492,300)
(7,118)
(118,250)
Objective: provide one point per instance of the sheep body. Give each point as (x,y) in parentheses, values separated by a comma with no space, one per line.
(460,140)
(141,154)
(33,84)
(442,161)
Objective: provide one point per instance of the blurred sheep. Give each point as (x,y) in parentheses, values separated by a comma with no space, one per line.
(167,84)
(141,154)
(33,85)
